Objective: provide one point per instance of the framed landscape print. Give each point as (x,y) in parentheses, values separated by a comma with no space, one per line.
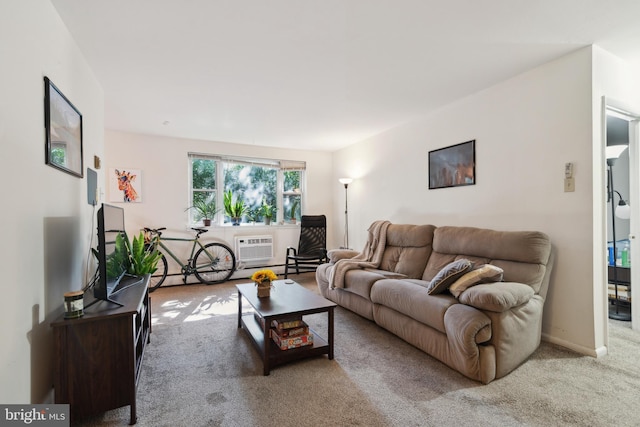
(453,166)
(63,126)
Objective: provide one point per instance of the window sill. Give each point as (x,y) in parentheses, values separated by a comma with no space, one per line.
(246,225)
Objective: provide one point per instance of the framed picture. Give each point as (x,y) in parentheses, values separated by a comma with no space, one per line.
(453,166)
(125,185)
(63,125)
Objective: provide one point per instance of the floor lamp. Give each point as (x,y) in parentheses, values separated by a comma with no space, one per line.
(622,211)
(346,182)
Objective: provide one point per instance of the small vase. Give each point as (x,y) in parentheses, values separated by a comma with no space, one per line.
(264,290)
(267,220)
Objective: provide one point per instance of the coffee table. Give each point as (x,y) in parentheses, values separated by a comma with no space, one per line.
(286,300)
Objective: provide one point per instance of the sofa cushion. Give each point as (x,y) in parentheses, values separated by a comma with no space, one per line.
(497,297)
(409,298)
(359,281)
(449,274)
(486,273)
(407,250)
(523,255)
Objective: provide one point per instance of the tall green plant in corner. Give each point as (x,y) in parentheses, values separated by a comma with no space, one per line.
(142,260)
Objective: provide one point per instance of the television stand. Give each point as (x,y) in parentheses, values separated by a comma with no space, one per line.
(98,357)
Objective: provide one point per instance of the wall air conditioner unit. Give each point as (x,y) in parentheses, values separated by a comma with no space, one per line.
(253,248)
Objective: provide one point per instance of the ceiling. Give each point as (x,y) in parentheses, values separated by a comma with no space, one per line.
(315,74)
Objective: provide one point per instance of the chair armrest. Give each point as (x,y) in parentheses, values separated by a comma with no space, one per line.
(292,251)
(338,254)
(497,297)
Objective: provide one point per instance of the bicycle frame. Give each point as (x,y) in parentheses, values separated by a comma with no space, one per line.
(196,243)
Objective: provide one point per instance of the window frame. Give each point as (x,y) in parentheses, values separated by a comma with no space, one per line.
(281,167)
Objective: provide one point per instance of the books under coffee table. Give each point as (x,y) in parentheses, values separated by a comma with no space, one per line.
(288,333)
(276,326)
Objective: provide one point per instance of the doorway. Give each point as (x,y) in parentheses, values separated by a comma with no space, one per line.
(623,182)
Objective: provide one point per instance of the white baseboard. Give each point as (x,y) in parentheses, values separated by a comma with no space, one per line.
(593,352)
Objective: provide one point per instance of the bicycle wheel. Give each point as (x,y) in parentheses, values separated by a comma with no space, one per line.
(158,277)
(215,263)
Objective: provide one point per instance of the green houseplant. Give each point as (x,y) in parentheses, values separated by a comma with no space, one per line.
(252,214)
(142,260)
(234,208)
(294,208)
(205,210)
(137,258)
(268,212)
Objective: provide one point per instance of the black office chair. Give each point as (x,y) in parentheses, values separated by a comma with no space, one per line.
(312,247)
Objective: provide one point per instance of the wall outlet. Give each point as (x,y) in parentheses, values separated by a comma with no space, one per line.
(569,185)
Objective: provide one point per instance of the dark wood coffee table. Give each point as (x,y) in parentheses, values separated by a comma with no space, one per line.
(286,300)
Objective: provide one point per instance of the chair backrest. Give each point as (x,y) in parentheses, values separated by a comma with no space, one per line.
(313,234)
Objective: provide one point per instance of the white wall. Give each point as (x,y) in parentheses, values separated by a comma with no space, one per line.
(165,196)
(526,129)
(46,221)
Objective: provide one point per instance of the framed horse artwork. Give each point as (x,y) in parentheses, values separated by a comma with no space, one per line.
(453,166)
(125,185)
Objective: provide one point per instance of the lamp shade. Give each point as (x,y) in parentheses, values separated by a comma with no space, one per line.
(346,181)
(614,151)
(623,211)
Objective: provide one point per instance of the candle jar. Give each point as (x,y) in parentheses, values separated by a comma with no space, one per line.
(73,304)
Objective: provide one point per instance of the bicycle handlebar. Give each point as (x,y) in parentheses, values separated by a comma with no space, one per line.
(155,230)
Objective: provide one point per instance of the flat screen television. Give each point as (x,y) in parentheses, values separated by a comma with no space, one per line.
(112,258)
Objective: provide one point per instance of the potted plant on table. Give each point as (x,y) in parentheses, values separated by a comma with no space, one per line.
(263,279)
(234,208)
(205,210)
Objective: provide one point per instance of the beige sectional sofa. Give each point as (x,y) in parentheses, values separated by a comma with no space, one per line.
(485,332)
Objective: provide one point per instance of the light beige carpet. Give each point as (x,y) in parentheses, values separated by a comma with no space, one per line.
(200,370)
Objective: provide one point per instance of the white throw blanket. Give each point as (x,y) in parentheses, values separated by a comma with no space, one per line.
(370,257)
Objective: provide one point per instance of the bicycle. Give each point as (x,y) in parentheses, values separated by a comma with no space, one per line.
(213,263)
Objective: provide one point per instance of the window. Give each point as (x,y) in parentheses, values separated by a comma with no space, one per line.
(292,196)
(258,183)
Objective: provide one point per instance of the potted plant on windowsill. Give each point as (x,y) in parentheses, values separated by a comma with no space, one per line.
(234,208)
(252,215)
(268,212)
(205,210)
(294,207)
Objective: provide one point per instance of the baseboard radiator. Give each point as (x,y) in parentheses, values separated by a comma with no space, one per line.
(254,248)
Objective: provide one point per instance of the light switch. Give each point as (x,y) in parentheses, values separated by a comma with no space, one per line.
(569,185)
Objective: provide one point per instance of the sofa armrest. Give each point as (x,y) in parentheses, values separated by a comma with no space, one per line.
(335,255)
(497,297)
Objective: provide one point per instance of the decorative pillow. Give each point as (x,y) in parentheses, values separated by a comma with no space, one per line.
(486,273)
(449,274)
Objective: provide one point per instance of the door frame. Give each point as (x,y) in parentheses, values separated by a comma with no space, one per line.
(611,107)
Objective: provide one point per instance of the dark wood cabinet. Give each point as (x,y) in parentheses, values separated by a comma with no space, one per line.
(98,357)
